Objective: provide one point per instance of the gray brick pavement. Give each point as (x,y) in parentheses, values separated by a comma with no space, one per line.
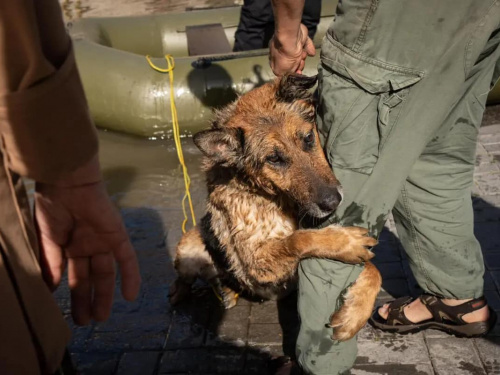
(148,336)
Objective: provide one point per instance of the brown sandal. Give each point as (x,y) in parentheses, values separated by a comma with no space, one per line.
(444,318)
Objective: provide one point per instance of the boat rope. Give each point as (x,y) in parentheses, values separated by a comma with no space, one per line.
(177,138)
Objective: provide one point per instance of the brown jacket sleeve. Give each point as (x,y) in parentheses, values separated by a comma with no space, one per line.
(45,127)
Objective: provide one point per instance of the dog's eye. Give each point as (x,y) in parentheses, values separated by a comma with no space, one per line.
(308,141)
(275,159)
(309,138)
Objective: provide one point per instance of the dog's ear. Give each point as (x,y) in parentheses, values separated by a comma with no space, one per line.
(295,89)
(292,87)
(220,146)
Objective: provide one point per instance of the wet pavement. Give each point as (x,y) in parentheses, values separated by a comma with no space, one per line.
(148,336)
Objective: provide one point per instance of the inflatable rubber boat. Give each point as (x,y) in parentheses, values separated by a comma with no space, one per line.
(124,92)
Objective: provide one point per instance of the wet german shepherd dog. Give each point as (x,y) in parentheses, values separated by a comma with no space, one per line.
(265,170)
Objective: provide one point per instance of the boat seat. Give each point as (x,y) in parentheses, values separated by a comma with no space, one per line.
(207,40)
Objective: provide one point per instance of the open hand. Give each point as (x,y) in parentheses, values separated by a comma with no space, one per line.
(79,227)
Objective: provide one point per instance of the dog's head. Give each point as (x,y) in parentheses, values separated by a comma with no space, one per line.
(269,136)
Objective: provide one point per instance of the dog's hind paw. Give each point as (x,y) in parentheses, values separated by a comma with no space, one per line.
(179,291)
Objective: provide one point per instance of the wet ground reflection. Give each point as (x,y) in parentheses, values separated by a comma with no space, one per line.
(146,174)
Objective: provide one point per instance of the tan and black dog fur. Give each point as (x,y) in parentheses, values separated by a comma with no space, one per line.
(265,170)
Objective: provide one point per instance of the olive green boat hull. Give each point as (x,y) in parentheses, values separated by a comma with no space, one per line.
(125,94)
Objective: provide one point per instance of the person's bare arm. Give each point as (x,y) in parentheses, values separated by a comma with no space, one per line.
(290,44)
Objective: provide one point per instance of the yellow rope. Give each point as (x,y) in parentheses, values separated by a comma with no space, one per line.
(177,138)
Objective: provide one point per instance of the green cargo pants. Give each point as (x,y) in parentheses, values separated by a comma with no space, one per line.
(402,89)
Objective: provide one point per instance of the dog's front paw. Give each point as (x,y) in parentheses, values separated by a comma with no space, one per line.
(347,322)
(356,243)
(358,304)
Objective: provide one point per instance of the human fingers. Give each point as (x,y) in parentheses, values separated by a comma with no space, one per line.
(301,67)
(81,291)
(307,43)
(102,275)
(129,268)
(52,261)
(309,47)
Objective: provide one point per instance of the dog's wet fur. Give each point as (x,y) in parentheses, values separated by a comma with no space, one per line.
(265,170)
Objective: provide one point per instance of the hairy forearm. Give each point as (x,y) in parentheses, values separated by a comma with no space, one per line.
(287,16)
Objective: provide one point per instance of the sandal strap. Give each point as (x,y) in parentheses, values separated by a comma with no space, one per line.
(396,314)
(444,313)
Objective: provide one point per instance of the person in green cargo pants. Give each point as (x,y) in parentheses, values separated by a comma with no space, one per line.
(402,90)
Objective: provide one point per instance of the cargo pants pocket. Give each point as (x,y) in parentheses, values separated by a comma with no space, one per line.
(360,100)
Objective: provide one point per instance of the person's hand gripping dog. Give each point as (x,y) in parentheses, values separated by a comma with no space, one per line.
(290,45)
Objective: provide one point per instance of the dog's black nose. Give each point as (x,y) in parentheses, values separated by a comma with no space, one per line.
(330,201)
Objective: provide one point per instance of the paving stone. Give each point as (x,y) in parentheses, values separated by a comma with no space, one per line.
(185,333)
(480,150)
(489,138)
(95,363)
(392,369)
(489,183)
(369,333)
(489,351)
(493,148)
(265,334)
(476,190)
(492,128)
(135,322)
(115,342)
(257,363)
(272,350)
(203,361)
(233,328)
(264,313)
(120,305)
(79,338)
(486,167)
(436,334)
(455,356)
(409,350)
(135,363)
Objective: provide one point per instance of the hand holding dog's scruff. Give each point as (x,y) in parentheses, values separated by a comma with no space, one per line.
(288,51)
(80,228)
